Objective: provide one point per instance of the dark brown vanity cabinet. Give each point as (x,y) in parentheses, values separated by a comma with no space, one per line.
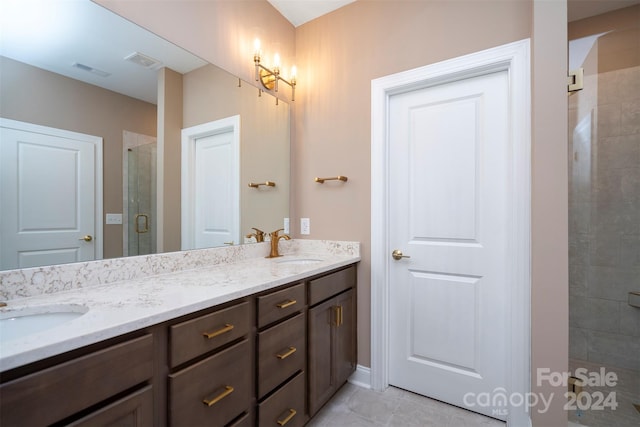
(214,387)
(332,332)
(282,357)
(268,359)
(108,386)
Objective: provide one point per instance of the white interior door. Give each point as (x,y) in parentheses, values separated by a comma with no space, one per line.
(48,196)
(449,153)
(210,187)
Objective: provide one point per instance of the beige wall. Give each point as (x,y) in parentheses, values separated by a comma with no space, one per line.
(338,55)
(212,94)
(549,242)
(169,153)
(33,95)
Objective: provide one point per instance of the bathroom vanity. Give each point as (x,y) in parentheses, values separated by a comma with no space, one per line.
(253,342)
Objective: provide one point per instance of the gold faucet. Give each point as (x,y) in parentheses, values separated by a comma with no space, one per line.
(275,238)
(259,235)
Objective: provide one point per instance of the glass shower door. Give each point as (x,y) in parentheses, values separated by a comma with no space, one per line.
(604,216)
(141,228)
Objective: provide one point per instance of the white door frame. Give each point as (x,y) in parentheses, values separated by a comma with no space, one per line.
(189,137)
(98,178)
(513,58)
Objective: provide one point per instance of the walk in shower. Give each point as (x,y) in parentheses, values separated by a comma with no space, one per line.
(604,217)
(139,167)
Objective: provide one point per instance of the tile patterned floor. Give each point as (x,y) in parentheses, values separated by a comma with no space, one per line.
(627,392)
(355,406)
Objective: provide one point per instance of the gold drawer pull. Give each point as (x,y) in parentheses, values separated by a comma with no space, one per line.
(292,413)
(339,316)
(287,354)
(227,327)
(286,304)
(227,391)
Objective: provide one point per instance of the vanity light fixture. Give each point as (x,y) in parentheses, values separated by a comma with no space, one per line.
(270,77)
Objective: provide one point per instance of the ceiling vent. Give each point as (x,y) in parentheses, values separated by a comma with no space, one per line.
(91,69)
(143,60)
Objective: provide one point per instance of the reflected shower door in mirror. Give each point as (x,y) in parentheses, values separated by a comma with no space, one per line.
(104,80)
(140,171)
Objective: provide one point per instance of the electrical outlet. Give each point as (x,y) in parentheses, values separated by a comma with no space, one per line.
(113,218)
(305,226)
(286,226)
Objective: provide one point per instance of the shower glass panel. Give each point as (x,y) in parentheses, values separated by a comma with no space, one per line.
(604,217)
(141,227)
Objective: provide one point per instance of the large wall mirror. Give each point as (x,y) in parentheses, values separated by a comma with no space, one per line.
(74,66)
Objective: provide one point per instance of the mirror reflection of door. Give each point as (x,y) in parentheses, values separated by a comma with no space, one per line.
(210,184)
(140,160)
(50,197)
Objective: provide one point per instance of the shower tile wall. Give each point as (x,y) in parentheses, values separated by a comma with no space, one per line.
(604,212)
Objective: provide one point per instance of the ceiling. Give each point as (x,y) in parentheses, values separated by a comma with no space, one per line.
(300,11)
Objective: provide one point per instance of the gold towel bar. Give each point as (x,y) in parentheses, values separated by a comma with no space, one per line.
(335,178)
(267,183)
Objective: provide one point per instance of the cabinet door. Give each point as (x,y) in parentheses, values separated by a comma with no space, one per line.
(321,385)
(135,410)
(345,337)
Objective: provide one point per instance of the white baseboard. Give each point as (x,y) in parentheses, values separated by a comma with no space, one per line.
(361,377)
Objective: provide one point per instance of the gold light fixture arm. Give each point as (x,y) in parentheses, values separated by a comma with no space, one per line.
(258,184)
(270,77)
(335,178)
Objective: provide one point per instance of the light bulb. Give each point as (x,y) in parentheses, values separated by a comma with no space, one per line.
(276,61)
(256,46)
(294,72)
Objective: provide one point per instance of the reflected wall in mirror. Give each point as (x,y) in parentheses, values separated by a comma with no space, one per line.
(34,90)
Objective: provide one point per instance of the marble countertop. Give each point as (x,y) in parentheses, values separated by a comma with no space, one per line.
(128,305)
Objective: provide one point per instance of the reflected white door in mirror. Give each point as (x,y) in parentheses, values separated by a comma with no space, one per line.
(210,184)
(50,197)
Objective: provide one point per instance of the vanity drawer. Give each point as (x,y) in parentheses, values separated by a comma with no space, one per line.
(55,393)
(205,333)
(325,287)
(281,353)
(277,305)
(284,407)
(223,380)
(134,410)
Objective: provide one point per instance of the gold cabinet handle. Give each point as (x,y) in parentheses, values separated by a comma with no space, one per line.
(286,303)
(87,238)
(338,312)
(228,243)
(227,391)
(227,327)
(292,413)
(287,354)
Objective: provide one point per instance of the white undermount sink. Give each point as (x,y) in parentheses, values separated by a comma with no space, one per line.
(21,322)
(298,261)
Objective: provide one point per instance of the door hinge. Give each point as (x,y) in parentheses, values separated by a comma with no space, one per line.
(576,80)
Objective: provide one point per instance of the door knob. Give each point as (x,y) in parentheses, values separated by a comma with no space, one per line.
(87,238)
(397,254)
